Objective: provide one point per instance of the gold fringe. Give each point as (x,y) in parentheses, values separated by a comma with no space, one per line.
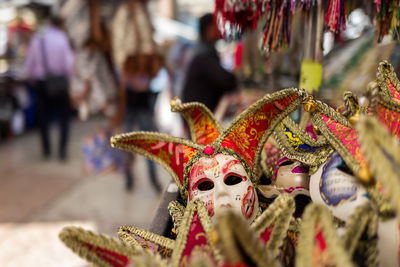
(315,158)
(386,71)
(176,210)
(184,229)
(166,245)
(278,214)
(77,238)
(318,214)
(239,242)
(364,220)
(382,151)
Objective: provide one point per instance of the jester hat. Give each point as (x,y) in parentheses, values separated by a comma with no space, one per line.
(387,107)
(243,138)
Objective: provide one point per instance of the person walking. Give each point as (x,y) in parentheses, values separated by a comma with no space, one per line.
(48,65)
(206,81)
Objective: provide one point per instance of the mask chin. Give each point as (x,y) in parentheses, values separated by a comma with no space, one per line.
(334,186)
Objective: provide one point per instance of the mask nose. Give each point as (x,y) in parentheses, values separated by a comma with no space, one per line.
(221,195)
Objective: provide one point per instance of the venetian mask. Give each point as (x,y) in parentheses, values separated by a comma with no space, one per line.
(335,186)
(292,176)
(221,181)
(220,167)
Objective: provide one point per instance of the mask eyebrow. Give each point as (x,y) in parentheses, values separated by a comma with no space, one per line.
(229,164)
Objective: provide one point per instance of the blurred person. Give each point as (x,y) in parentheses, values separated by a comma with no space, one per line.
(135,109)
(206,81)
(48,65)
(178,58)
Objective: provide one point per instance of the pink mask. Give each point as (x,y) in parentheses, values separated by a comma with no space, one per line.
(221,181)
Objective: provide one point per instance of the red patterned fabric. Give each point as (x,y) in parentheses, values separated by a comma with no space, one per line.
(390,118)
(196,239)
(115,259)
(206,132)
(393,91)
(245,136)
(175,155)
(348,137)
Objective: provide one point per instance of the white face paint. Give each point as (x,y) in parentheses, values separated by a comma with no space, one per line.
(334,186)
(221,181)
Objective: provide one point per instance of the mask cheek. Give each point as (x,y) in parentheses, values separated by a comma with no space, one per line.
(208,200)
(248,202)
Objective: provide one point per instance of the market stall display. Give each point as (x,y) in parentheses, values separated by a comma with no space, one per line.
(221,219)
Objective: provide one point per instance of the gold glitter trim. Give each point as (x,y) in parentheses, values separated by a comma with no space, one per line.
(176,210)
(250,110)
(184,110)
(315,158)
(382,151)
(386,71)
(333,140)
(240,244)
(125,235)
(364,220)
(80,242)
(278,215)
(184,229)
(318,214)
(118,142)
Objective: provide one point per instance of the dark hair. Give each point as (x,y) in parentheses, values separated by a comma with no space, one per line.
(204,22)
(56,21)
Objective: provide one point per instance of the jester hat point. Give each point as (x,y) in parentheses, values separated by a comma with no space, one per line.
(243,138)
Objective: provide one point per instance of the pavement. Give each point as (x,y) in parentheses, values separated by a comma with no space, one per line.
(39,197)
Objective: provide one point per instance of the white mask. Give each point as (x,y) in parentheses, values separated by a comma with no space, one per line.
(290,177)
(222,181)
(334,186)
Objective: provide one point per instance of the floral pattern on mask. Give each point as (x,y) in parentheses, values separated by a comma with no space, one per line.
(245,136)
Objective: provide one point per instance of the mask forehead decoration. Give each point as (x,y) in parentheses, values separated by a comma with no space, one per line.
(243,139)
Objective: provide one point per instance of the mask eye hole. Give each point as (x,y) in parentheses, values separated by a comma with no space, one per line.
(286,163)
(345,169)
(206,185)
(232,180)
